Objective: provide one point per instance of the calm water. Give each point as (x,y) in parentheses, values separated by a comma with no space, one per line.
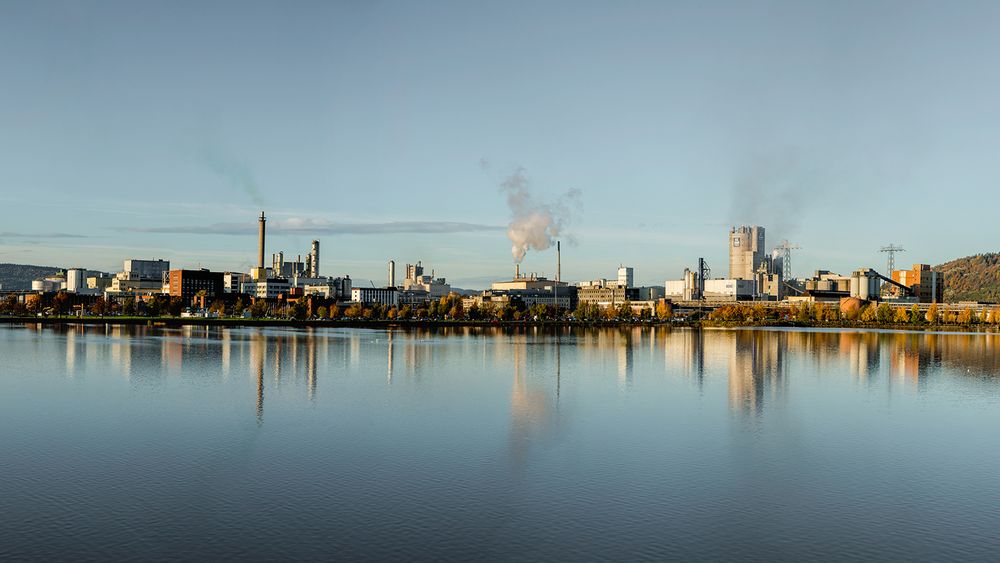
(193,443)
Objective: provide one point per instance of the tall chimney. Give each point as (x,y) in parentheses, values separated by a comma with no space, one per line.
(558,261)
(260,240)
(314,260)
(392,273)
(517,271)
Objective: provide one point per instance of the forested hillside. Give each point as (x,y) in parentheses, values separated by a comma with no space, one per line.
(19,276)
(973,278)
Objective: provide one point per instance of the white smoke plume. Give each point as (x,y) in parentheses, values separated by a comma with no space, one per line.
(535,225)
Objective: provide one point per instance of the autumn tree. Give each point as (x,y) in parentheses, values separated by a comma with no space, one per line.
(932,314)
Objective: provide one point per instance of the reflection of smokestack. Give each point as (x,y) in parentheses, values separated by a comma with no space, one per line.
(392,273)
(260,240)
(558,261)
(314,260)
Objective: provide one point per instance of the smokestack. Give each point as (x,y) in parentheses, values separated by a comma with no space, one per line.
(314,260)
(392,273)
(260,240)
(558,261)
(517,271)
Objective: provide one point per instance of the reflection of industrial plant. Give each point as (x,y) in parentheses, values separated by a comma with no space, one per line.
(756,370)
(757,365)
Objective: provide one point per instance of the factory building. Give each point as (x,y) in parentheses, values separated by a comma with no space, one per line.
(144,270)
(926,285)
(388,296)
(267,288)
(604,293)
(338,289)
(746,251)
(188,283)
(99,282)
(415,279)
(687,289)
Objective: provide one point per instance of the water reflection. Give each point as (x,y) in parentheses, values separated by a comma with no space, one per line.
(755,363)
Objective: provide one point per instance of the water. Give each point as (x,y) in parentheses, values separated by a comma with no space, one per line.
(121,443)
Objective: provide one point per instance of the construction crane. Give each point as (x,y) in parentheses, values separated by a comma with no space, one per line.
(786,249)
(891,250)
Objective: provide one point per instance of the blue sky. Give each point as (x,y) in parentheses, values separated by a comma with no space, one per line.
(385,129)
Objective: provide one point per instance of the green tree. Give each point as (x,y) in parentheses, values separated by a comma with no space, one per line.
(884,313)
(869,313)
(258,309)
(916,317)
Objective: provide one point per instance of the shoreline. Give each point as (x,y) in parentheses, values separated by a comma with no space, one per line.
(424,323)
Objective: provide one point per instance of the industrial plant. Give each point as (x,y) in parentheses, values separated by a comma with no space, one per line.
(757,274)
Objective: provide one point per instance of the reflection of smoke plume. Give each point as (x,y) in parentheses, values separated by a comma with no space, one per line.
(238,174)
(769,192)
(533,225)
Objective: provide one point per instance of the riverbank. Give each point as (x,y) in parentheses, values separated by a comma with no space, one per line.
(427,323)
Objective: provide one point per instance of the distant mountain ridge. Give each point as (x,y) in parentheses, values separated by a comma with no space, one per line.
(15,277)
(973,278)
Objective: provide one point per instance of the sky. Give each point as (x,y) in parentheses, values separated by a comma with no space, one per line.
(392,130)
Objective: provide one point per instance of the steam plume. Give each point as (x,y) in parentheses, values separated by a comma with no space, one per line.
(534,225)
(237,173)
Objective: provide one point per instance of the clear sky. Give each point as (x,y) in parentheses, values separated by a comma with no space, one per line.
(385,129)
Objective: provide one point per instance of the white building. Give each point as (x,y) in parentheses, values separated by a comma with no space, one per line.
(267,288)
(338,289)
(626,276)
(372,295)
(133,269)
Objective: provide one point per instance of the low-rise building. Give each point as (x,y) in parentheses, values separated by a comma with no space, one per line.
(388,296)
(269,288)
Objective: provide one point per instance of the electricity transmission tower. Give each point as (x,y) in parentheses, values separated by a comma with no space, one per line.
(891,250)
(786,258)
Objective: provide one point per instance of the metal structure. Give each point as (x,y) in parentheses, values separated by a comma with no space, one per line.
(891,250)
(703,273)
(786,249)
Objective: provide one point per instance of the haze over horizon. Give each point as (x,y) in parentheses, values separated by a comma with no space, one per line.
(391,130)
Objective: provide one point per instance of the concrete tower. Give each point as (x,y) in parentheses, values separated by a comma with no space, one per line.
(746,251)
(314,260)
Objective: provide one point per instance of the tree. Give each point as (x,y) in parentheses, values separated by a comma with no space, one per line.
(916,317)
(869,313)
(966,317)
(99,307)
(258,309)
(60,303)
(405,312)
(664,311)
(884,313)
(175,306)
(239,307)
(901,315)
(932,314)
(218,307)
(335,312)
(128,306)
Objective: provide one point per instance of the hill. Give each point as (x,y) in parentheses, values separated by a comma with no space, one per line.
(973,278)
(18,276)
